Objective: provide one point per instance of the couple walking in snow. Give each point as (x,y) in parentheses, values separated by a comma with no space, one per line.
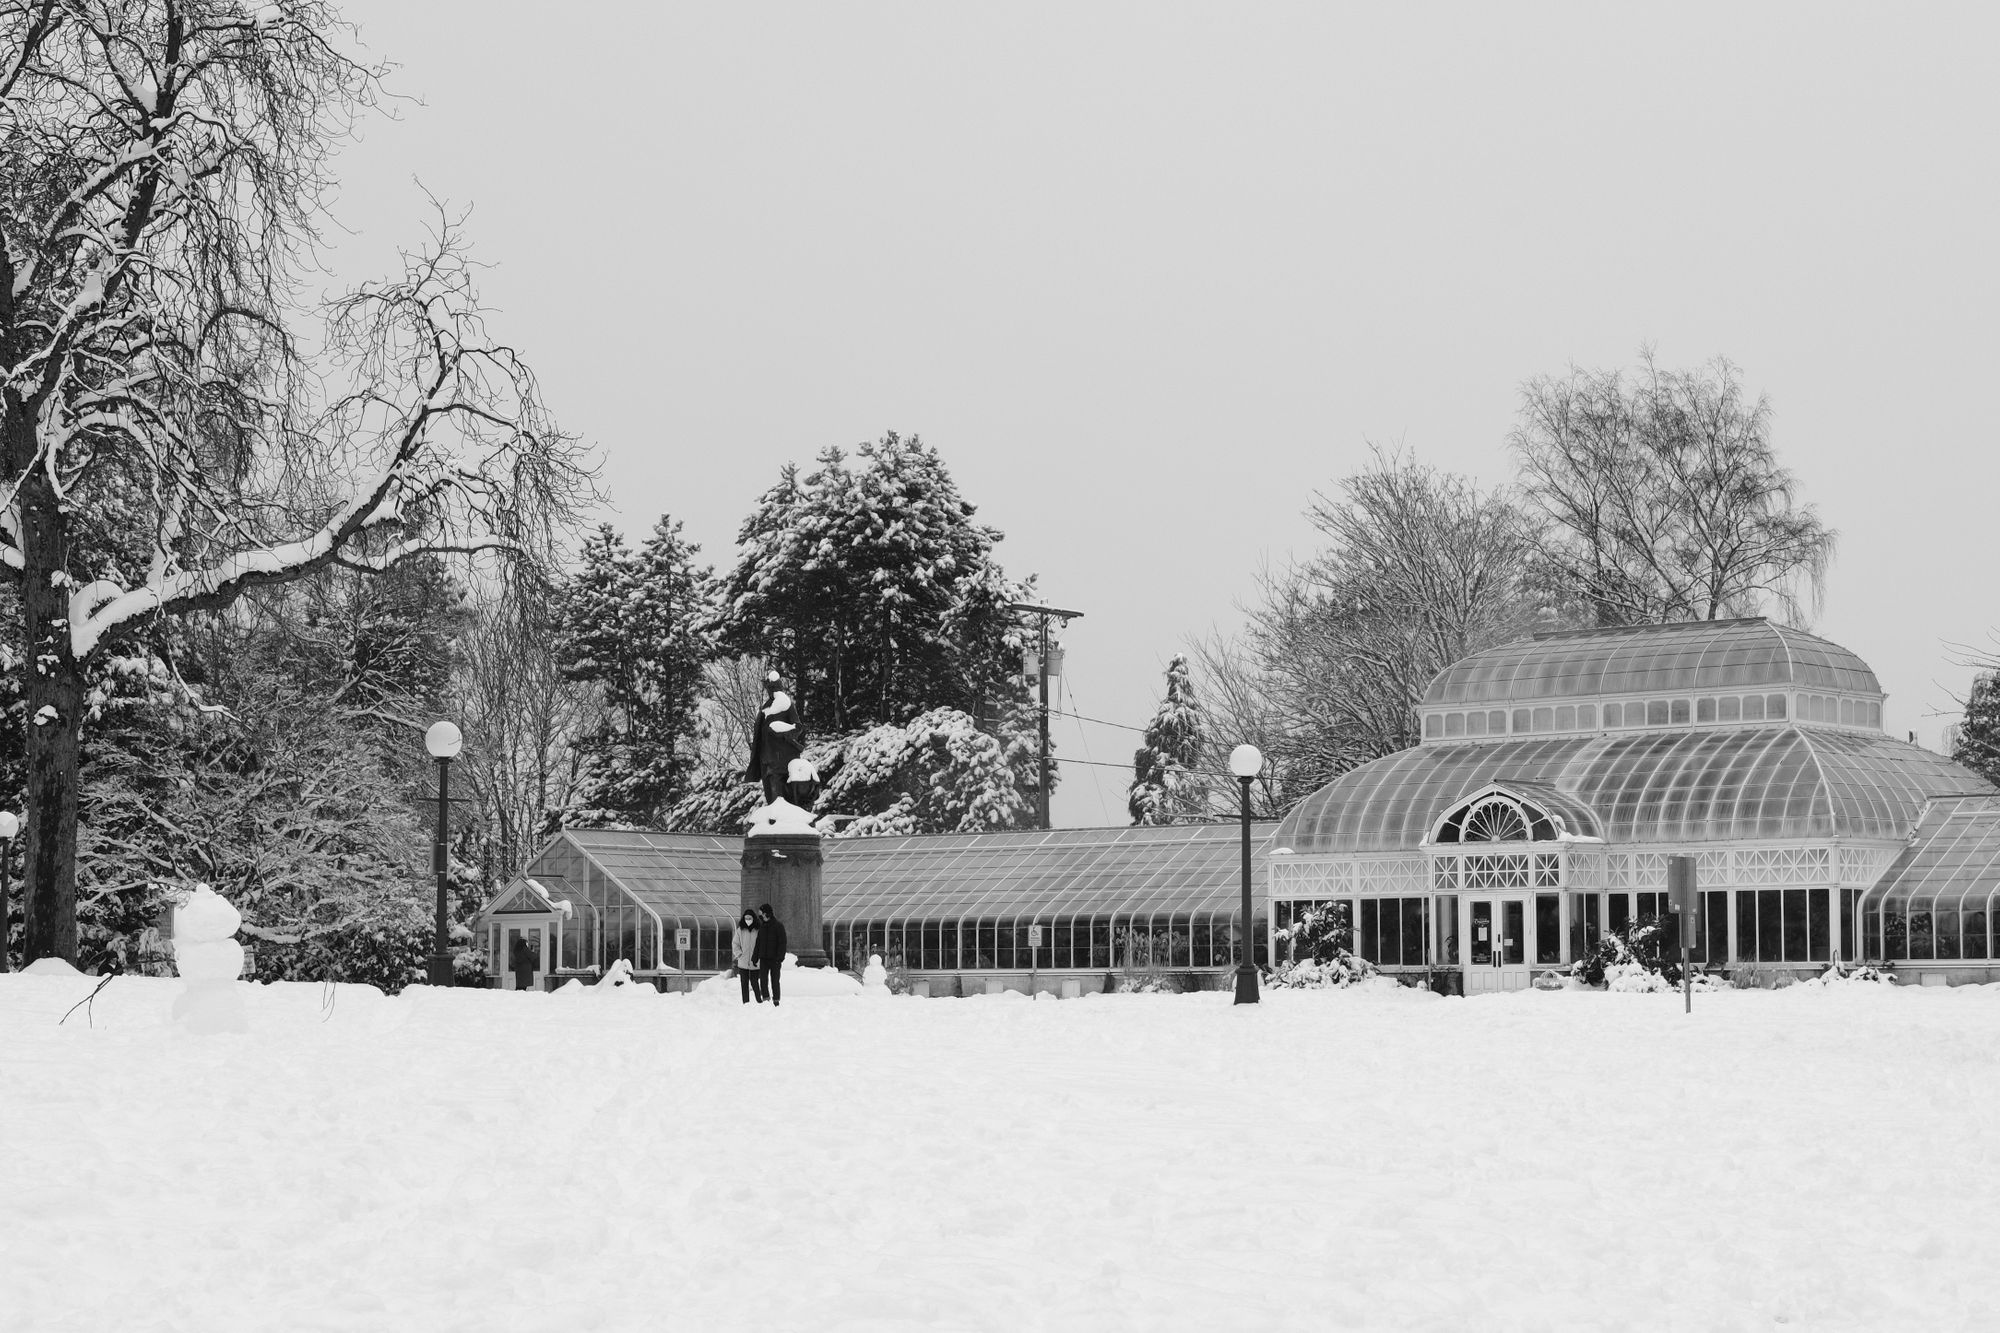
(758,946)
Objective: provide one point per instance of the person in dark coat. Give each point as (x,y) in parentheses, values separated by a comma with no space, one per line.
(776,741)
(524,961)
(771,945)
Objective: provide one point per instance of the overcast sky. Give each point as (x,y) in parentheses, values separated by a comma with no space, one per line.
(1149,275)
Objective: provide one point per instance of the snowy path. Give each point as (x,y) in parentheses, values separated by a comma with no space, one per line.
(472,1160)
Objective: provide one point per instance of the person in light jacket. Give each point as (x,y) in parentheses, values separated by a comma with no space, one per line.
(770,952)
(743,950)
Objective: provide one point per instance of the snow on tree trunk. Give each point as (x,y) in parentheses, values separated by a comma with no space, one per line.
(55,718)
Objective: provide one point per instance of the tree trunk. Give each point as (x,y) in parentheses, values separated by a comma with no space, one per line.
(55,722)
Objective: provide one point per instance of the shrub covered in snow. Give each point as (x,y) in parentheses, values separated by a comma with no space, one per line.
(1623,959)
(1319,950)
(1315,974)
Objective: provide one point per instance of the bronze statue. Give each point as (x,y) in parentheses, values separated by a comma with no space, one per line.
(776,742)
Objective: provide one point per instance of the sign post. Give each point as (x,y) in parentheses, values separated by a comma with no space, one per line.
(681,941)
(1034,954)
(1685,903)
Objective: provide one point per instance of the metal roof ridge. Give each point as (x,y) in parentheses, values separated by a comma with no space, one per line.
(1651,627)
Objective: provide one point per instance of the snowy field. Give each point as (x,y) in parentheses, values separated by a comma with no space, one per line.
(1798,1159)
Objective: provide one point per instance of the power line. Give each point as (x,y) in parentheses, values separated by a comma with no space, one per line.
(1102,722)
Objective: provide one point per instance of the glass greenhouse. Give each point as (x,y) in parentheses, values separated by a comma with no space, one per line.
(1556,775)
(1056,910)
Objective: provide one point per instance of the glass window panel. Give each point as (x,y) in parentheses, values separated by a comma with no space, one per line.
(1728,708)
(1454,724)
(1513,932)
(1895,934)
(1434,724)
(1496,723)
(1746,926)
(1548,928)
(1753,708)
(1715,925)
(1415,930)
(1586,716)
(1475,724)
(1770,925)
(1875,713)
(1392,934)
(1614,715)
(1621,912)
(1521,716)
(1677,712)
(1945,928)
(1480,946)
(1774,705)
(1704,710)
(1371,930)
(1545,718)
(1819,926)
(1656,712)
(1565,719)
(1847,712)
(1974,942)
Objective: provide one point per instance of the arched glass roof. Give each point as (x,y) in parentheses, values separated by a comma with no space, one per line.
(1647,659)
(1953,859)
(1677,786)
(1027,875)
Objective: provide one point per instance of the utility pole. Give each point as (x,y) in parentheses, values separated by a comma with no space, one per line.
(1046,613)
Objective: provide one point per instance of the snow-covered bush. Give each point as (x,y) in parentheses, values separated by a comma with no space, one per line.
(1626,953)
(1851,974)
(1317,974)
(1319,949)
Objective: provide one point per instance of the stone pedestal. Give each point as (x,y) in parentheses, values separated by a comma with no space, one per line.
(783,869)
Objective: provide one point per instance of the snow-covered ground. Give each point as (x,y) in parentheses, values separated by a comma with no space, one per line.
(475,1160)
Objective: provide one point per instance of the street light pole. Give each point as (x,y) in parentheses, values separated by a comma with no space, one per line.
(1245,761)
(9,826)
(443,742)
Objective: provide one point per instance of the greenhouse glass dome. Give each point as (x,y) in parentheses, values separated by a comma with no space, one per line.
(1557,775)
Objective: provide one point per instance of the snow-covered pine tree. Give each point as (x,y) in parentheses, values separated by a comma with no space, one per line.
(1975,741)
(635,625)
(1167,786)
(869,587)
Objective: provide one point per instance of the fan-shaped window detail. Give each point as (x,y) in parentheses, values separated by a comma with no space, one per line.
(1498,816)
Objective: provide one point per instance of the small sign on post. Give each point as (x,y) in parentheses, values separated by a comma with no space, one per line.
(1034,937)
(682,938)
(1685,902)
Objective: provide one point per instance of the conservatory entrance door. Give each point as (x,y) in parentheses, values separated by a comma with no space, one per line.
(537,948)
(1496,944)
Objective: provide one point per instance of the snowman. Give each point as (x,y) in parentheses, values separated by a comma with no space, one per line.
(875,977)
(208,959)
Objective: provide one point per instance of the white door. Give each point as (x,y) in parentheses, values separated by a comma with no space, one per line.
(537,951)
(1496,944)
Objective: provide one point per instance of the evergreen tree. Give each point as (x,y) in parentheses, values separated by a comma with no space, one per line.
(635,625)
(1166,786)
(868,585)
(1975,742)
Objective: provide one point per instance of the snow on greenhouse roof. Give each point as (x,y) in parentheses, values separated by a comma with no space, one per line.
(1674,786)
(1647,659)
(1029,874)
(1953,856)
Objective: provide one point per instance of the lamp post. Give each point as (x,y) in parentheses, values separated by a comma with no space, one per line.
(444,743)
(1246,762)
(9,826)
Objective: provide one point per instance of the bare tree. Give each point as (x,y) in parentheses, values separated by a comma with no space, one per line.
(522,722)
(1421,568)
(1664,498)
(167,439)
